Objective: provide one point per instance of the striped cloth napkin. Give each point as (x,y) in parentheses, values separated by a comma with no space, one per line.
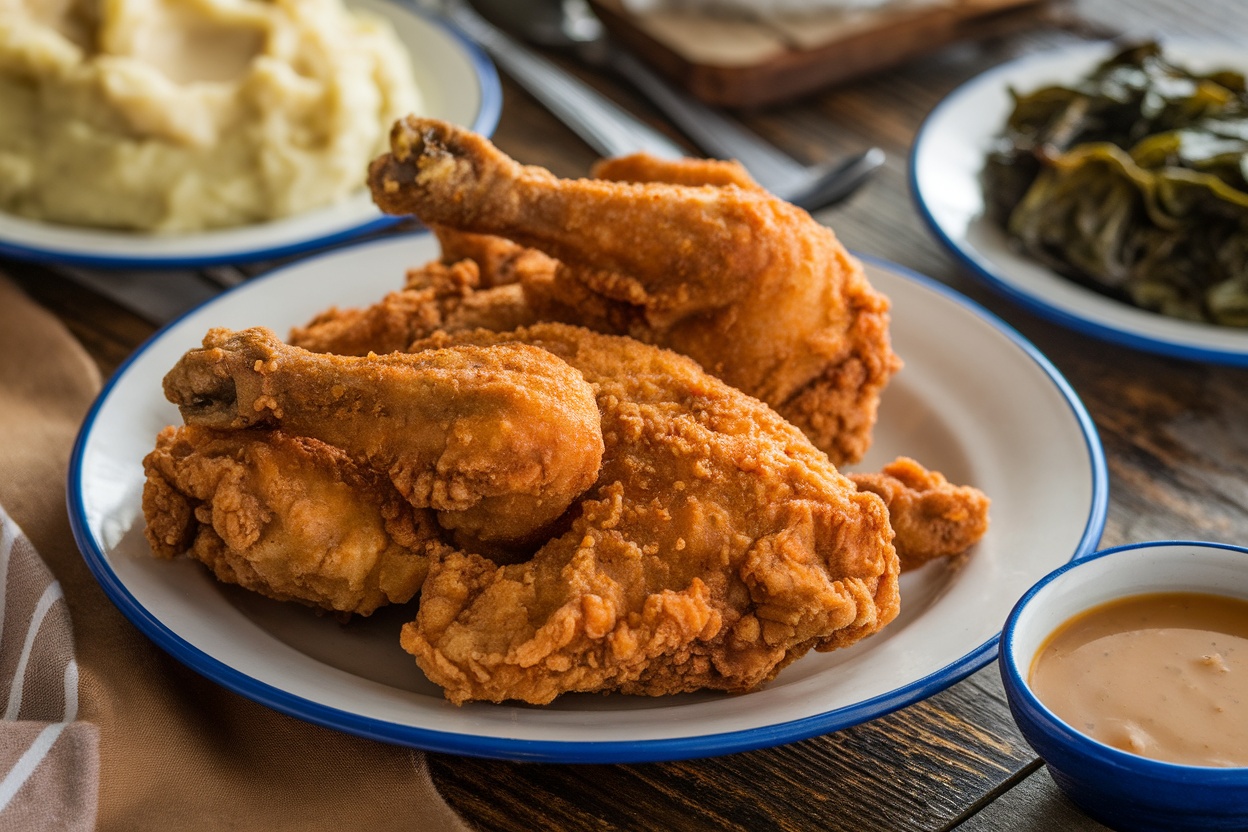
(101,729)
(49,759)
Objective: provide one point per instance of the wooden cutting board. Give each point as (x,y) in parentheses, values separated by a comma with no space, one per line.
(745,63)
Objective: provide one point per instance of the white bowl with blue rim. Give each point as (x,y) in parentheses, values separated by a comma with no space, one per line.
(1122,790)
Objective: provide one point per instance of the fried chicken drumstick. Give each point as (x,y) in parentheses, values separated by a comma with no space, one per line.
(746,284)
(498,441)
(717,546)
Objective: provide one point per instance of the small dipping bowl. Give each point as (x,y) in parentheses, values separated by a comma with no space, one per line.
(1121,790)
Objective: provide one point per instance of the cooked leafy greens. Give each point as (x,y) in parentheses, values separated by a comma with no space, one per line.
(1133,181)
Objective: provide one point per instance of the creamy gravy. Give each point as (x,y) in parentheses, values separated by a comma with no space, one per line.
(1161,675)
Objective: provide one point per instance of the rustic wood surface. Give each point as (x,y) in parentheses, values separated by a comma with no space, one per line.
(1033,805)
(1175,438)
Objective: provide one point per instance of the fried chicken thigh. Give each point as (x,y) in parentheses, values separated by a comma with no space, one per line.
(746,284)
(716,546)
(288,517)
(498,441)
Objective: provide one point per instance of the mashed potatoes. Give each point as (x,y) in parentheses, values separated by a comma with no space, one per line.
(178,115)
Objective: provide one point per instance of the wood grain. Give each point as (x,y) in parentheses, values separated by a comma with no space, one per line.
(913,769)
(1034,805)
(109,332)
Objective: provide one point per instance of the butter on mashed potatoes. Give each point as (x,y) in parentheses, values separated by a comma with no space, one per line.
(179,115)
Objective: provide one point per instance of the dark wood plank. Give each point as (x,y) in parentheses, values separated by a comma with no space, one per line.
(1033,805)
(912,769)
(677,46)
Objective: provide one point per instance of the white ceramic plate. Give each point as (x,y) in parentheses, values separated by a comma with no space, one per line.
(974,401)
(458,84)
(945,166)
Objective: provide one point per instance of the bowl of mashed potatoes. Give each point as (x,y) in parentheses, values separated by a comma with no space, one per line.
(174,119)
(1127,672)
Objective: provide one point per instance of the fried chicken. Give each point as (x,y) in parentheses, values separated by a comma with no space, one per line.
(477,283)
(716,546)
(288,517)
(932,517)
(498,441)
(501,262)
(749,286)
(578,509)
(642,167)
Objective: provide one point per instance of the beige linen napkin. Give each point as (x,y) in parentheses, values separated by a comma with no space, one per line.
(172,750)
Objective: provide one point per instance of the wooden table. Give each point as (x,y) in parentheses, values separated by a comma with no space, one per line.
(1174,436)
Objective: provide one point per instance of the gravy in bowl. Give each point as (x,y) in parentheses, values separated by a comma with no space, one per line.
(1162,675)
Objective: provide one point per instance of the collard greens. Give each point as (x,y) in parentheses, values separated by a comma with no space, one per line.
(1133,181)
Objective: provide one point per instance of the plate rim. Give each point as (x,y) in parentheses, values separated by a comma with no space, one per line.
(578,751)
(992,275)
(486,122)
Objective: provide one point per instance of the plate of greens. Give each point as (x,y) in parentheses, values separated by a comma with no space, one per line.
(1103,186)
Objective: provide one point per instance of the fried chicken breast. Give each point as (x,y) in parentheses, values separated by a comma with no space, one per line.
(716,546)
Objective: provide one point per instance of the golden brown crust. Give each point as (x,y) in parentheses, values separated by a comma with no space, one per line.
(499,440)
(501,262)
(642,167)
(436,296)
(933,518)
(747,285)
(291,518)
(717,546)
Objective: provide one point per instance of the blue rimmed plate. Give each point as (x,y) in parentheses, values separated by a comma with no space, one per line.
(945,166)
(458,83)
(974,401)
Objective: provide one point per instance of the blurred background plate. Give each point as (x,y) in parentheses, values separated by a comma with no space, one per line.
(945,165)
(457,82)
(974,401)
